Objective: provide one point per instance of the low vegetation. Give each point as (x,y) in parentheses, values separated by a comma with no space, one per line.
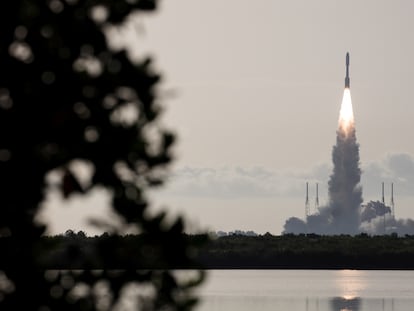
(76,250)
(310,252)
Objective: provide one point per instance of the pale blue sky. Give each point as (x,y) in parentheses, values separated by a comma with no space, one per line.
(258,86)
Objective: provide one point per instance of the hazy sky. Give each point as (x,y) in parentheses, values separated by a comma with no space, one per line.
(257,89)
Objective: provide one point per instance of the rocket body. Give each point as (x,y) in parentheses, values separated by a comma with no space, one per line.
(347,71)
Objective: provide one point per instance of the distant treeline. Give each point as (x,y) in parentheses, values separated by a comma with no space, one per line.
(309,252)
(77,251)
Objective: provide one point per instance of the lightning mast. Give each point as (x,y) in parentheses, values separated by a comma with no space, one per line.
(392,201)
(383,203)
(307,206)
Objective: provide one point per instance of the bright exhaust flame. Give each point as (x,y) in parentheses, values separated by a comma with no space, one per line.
(346,114)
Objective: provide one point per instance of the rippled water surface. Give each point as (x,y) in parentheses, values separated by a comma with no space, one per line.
(308,290)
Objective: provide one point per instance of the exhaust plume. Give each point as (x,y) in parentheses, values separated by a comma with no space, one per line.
(342,214)
(345,192)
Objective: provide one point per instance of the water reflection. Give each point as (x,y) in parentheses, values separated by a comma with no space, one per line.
(308,290)
(345,304)
(350,283)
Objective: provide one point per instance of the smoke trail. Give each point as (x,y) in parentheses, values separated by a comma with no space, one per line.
(345,192)
(342,214)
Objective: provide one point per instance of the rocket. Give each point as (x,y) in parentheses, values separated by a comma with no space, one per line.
(347,71)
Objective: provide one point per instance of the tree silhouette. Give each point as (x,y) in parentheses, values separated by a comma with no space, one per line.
(65,96)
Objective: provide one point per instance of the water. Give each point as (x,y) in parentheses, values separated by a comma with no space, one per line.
(307,290)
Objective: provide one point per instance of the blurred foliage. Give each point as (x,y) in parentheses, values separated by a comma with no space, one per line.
(65,96)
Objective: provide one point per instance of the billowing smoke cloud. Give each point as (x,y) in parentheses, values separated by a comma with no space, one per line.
(373,210)
(345,192)
(342,214)
(377,218)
